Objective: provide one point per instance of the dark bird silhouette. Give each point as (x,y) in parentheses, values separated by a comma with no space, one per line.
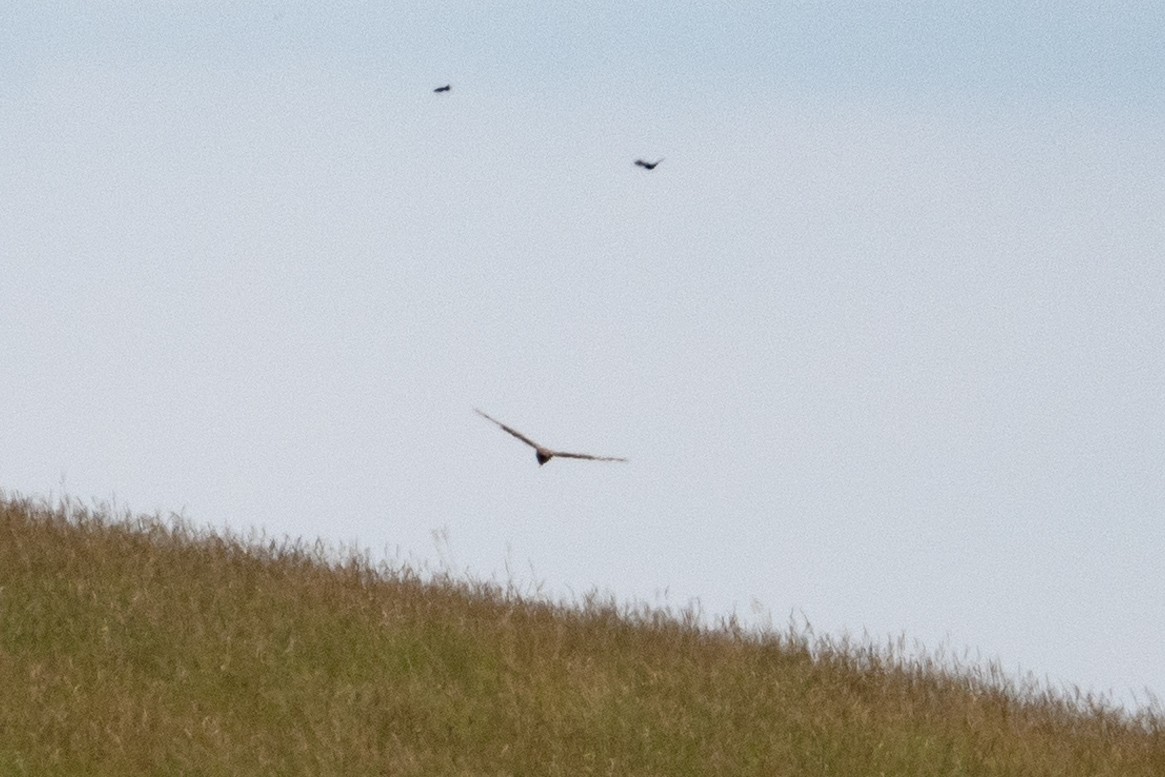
(647,165)
(542,453)
(444,88)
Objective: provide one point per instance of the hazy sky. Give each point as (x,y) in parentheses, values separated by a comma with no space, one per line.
(883,336)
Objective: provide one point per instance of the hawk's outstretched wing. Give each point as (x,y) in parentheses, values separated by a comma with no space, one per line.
(514,432)
(589,457)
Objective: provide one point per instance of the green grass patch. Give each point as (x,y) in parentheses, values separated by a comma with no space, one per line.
(136,645)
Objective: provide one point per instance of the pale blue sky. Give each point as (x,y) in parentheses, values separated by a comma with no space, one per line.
(882,337)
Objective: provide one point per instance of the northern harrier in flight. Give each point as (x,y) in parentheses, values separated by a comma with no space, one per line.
(545,454)
(647,165)
(444,88)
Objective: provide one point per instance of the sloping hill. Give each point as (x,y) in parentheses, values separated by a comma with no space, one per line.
(140,646)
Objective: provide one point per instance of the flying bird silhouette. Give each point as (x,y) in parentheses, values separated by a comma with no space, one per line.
(444,88)
(542,453)
(647,165)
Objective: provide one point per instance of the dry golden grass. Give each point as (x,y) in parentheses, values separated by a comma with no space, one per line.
(140,646)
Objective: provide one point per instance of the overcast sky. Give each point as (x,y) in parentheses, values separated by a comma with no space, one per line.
(883,337)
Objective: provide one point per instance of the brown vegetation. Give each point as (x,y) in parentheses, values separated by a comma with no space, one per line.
(142,646)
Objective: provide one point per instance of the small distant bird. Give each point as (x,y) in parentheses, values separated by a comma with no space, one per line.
(647,165)
(444,88)
(545,454)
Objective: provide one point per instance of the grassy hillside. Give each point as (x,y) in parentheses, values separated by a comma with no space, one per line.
(143,647)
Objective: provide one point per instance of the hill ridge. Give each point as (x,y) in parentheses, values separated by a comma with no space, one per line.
(134,644)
